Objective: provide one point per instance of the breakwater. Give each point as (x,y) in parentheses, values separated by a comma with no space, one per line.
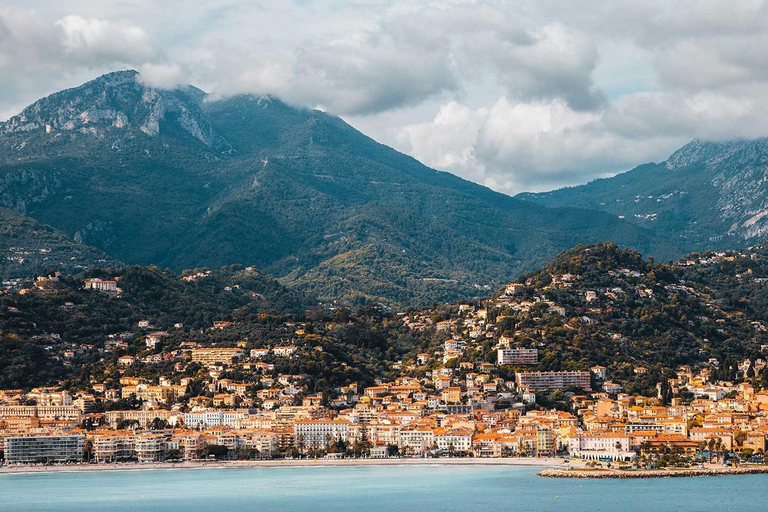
(651,473)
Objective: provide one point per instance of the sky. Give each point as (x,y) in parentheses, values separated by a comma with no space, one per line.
(516,95)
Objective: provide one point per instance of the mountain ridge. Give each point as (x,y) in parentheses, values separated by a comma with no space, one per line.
(706,195)
(298,193)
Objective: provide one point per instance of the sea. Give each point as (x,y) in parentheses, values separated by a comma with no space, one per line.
(370,489)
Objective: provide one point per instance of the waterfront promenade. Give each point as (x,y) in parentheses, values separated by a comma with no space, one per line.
(544,462)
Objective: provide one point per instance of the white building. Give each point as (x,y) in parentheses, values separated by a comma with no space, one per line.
(606,446)
(213,418)
(320,433)
(44,448)
(518,356)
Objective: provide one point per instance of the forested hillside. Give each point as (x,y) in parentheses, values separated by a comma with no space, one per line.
(591,305)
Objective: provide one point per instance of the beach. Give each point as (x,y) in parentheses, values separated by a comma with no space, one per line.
(542,462)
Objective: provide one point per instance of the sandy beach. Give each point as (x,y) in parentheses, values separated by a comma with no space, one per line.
(542,462)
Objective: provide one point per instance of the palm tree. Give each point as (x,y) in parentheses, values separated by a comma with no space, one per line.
(711,448)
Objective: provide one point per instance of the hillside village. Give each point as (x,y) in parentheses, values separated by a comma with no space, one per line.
(600,357)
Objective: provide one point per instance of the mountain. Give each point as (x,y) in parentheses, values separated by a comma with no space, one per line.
(706,195)
(31,247)
(181,180)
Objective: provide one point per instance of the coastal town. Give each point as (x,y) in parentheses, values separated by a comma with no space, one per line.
(479,392)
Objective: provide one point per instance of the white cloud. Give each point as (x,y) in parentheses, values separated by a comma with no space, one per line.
(162,76)
(92,41)
(448,141)
(515,94)
(513,147)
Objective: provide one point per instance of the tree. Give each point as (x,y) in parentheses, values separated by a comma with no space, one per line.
(159,424)
(88,451)
(217,450)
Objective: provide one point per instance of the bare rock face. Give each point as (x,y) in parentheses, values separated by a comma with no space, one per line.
(117,102)
(738,170)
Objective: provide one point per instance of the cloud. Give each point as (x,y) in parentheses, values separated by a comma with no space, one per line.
(519,146)
(448,141)
(515,94)
(89,41)
(39,55)
(162,76)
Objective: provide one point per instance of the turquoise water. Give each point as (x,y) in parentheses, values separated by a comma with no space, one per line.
(370,489)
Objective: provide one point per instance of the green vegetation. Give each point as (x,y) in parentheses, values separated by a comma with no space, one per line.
(645,320)
(29,247)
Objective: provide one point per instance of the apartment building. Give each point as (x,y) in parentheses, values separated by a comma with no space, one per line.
(518,356)
(150,447)
(44,448)
(114,446)
(320,433)
(456,440)
(208,356)
(43,412)
(540,381)
(142,418)
(213,418)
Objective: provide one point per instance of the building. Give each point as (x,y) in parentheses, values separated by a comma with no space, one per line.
(43,449)
(666,443)
(142,418)
(601,372)
(451,395)
(602,446)
(213,418)
(114,446)
(208,356)
(150,447)
(259,353)
(284,350)
(416,439)
(319,433)
(70,413)
(102,285)
(539,381)
(455,440)
(518,356)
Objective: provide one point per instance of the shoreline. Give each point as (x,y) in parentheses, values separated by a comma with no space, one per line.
(652,473)
(539,462)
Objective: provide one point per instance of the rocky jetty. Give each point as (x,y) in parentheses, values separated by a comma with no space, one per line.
(651,473)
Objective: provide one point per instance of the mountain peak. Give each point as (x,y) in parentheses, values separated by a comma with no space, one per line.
(696,151)
(117,102)
(116,77)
